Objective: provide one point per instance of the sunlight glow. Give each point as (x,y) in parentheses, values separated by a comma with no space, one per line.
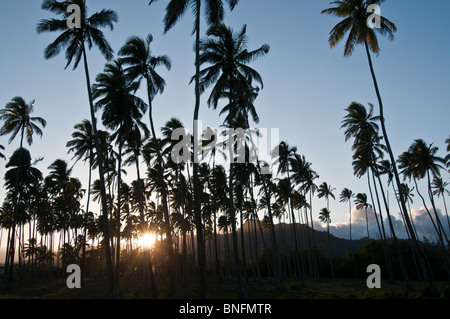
(148,240)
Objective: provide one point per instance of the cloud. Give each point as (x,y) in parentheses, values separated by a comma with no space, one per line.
(420,218)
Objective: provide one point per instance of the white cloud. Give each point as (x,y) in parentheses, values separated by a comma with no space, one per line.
(420,219)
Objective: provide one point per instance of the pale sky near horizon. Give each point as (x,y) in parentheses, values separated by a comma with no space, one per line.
(307,84)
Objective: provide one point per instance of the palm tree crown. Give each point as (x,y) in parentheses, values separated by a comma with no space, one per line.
(355,14)
(227,53)
(73,39)
(136,53)
(16,117)
(214,10)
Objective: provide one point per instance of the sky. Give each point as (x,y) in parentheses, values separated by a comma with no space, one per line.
(307,85)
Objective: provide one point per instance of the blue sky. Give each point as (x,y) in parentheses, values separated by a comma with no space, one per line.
(307,85)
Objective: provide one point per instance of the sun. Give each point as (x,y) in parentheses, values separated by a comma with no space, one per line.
(148,240)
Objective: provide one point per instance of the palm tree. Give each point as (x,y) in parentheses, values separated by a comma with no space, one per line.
(326,191)
(286,155)
(75,40)
(362,203)
(214,13)
(226,51)
(66,193)
(439,187)
(122,111)
(325,217)
(83,147)
(423,163)
(356,15)
(137,54)
(19,180)
(346,196)
(304,176)
(16,117)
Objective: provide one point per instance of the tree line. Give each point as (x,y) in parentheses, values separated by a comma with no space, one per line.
(188,205)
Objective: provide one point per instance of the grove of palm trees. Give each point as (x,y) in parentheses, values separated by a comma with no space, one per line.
(156,200)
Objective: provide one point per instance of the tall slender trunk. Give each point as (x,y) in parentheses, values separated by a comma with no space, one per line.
(442,233)
(298,262)
(83,256)
(9,267)
(118,213)
(427,277)
(203,287)
(163,187)
(351,239)
(394,236)
(106,236)
(241,292)
(277,260)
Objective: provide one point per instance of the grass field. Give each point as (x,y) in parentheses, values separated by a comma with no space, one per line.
(134,289)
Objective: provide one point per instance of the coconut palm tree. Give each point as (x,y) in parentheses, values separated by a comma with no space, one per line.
(356,15)
(440,188)
(227,54)
(19,180)
(362,203)
(66,194)
(83,146)
(137,54)
(346,196)
(214,13)
(325,217)
(75,41)
(286,155)
(326,191)
(423,163)
(114,93)
(16,118)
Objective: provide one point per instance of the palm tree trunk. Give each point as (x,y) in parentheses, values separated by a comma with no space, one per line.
(203,288)
(163,187)
(442,233)
(427,277)
(391,225)
(351,240)
(104,204)
(118,213)
(241,292)
(83,257)
(298,262)
(277,260)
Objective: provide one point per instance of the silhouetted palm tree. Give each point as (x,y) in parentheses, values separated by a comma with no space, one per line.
(423,162)
(226,51)
(214,13)
(137,54)
(362,203)
(74,41)
(19,180)
(286,155)
(439,187)
(16,118)
(114,93)
(325,217)
(356,16)
(346,196)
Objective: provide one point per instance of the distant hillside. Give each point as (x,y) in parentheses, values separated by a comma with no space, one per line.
(285,238)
